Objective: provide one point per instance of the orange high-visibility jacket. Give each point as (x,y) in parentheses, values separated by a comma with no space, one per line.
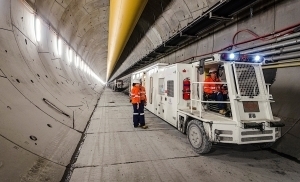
(210,88)
(143,93)
(135,95)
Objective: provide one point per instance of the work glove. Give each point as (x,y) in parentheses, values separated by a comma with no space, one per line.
(130,100)
(145,103)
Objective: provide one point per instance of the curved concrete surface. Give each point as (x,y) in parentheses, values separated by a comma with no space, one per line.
(285,89)
(47,99)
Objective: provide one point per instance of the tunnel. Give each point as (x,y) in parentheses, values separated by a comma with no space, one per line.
(60,119)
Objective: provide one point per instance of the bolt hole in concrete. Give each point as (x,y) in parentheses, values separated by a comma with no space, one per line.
(6,51)
(35,143)
(46,76)
(18,80)
(38,75)
(31,81)
(26,41)
(8,107)
(49,125)
(33,138)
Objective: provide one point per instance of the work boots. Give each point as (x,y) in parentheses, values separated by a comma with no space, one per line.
(222,111)
(144,127)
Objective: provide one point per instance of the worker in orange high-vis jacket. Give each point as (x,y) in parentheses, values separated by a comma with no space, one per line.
(138,119)
(214,90)
(143,103)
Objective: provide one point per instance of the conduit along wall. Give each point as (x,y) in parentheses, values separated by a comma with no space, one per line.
(47,95)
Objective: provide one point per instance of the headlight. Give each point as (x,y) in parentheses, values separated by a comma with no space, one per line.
(241,58)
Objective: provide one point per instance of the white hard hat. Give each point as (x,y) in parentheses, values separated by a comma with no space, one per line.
(136,81)
(211,70)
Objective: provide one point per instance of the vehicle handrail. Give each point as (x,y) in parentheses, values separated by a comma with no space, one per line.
(200,96)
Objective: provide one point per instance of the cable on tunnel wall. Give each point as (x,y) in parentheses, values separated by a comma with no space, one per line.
(279,35)
(294,27)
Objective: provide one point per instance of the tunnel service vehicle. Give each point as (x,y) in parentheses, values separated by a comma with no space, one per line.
(118,85)
(175,94)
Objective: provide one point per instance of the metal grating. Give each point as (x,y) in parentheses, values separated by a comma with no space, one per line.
(247,81)
(257,132)
(170,88)
(250,139)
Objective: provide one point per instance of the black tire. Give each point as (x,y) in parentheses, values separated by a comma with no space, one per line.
(265,145)
(197,137)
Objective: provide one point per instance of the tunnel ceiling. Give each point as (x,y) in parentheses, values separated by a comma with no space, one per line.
(181,23)
(164,26)
(152,11)
(83,24)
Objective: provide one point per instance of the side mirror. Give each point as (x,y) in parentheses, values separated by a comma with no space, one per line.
(201,66)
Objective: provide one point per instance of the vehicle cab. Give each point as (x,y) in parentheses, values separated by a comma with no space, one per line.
(249,116)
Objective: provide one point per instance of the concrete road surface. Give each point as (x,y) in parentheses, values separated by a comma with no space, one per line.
(115,151)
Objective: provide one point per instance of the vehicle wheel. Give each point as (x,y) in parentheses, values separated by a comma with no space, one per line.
(197,137)
(265,145)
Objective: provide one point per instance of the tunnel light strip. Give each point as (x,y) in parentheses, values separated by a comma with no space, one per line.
(70,55)
(38,29)
(78,60)
(81,65)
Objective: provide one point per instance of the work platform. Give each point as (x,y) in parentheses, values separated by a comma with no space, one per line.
(116,151)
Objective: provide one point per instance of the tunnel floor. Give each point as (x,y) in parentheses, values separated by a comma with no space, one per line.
(116,151)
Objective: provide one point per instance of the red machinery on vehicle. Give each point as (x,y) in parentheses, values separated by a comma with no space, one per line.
(186,89)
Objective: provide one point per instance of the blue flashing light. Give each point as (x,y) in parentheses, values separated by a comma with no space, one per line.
(231,56)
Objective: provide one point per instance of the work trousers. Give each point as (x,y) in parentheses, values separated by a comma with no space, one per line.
(218,97)
(138,114)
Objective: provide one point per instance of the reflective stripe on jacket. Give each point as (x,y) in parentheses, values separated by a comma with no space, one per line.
(210,88)
(135,95)
(143,94)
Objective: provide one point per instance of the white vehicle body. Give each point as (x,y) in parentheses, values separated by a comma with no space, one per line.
(118,85)
(251,119)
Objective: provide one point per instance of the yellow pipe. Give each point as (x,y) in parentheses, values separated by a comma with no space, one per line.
(123,17)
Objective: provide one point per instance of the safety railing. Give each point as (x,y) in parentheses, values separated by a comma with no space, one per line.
(200,95)
(268,88)
(268,85)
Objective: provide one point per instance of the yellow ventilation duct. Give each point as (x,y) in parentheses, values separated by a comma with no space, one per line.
(123,17)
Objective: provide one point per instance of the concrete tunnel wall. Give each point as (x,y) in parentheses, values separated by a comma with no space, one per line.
(45,100)
(279,15)
(285,89)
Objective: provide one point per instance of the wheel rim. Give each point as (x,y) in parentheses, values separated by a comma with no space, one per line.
(195,136)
